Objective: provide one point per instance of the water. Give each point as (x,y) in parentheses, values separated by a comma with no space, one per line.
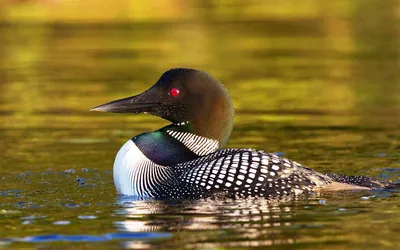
(321,87)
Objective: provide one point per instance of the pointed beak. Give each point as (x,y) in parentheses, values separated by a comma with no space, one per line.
(133,104)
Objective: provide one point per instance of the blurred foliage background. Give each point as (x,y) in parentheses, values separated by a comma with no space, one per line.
(301,39)
(324,72)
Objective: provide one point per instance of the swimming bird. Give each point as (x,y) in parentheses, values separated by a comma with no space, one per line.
(187,159)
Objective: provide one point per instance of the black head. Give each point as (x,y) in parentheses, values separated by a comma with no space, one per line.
(184,95)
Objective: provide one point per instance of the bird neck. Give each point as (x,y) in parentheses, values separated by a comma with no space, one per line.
(176,143)
(163,149)
(214,120)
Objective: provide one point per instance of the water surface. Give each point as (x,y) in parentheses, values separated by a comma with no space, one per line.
(321,89)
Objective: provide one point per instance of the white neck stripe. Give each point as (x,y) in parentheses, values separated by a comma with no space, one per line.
(197,144)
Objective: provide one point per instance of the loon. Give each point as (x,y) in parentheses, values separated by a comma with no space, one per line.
(187,159)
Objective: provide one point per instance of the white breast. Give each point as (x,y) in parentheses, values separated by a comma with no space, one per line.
(135,174)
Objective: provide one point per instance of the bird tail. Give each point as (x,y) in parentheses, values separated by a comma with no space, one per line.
(364,181)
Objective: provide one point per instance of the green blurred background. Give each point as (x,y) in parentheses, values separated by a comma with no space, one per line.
(318,72)
(351,44)
(329,68)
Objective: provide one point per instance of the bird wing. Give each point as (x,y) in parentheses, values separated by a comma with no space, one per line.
(245,172)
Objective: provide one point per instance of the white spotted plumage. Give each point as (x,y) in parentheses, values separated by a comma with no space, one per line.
(250,172)
(239,172)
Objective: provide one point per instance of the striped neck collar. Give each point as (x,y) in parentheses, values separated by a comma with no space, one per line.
(195,143)
(199,145)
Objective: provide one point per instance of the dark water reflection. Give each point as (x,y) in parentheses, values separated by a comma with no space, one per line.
(322,89)
(92,215)
(54,207)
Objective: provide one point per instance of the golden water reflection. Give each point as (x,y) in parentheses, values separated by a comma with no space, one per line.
(315,80)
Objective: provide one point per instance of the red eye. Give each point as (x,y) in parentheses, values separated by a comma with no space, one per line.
(174,92)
